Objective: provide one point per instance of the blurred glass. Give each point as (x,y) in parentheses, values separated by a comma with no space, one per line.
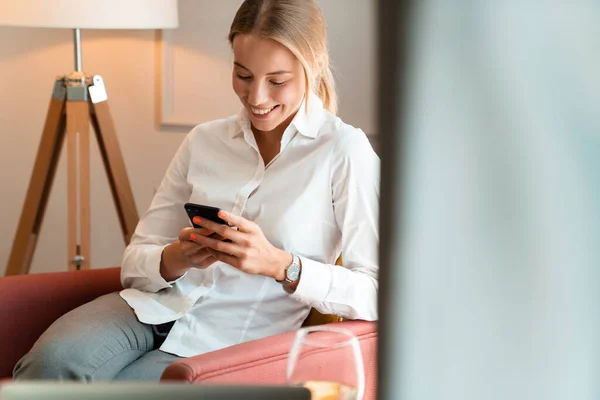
(340,376)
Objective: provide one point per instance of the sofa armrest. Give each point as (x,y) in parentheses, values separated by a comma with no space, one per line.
(29,304)
(265,360)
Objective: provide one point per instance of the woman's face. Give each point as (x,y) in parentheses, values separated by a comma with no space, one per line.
(268,79)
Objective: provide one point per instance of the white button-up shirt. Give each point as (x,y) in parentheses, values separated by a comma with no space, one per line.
(318,197)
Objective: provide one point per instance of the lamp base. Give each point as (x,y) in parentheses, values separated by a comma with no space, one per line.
(75,103)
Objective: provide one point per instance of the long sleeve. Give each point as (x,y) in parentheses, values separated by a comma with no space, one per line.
(319,197)
(158,227)
(349,291)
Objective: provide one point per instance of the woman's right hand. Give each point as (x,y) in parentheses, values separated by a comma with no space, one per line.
(185,253)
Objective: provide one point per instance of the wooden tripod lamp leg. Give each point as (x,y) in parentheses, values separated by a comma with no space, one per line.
(42,176)
(78,184)
(113,159)
(70,113)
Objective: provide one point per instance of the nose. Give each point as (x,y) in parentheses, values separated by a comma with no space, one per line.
(258,93)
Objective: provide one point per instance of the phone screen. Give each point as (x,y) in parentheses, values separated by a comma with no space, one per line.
(205,212)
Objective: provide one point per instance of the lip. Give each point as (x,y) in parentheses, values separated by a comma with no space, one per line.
(263,116)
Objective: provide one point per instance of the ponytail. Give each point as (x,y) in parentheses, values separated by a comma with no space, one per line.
(326,91)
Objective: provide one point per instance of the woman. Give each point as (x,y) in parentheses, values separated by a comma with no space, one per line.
(297,187)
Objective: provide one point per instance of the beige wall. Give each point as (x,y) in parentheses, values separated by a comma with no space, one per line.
(29,62)
(30,59)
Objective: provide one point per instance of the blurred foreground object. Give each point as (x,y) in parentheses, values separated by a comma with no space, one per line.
(490,201)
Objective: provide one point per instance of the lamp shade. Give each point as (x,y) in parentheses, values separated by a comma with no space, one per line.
(90,14)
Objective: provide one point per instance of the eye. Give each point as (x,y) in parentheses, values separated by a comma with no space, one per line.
(244,77)
(278,83)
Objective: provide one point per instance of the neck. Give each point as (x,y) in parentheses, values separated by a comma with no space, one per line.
(275,135)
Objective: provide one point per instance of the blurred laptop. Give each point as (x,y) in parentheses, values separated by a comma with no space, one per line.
(147,391)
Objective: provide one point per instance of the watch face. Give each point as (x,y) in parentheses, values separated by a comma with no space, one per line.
(293,272)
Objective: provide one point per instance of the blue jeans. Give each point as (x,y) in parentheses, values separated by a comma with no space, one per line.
(99,341)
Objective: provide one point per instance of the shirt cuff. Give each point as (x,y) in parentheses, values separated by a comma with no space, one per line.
(315,282)
(153,262)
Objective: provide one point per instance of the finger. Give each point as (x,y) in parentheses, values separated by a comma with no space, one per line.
(199,259)
(186,233)
(208,261)
(205,263)
(235,220)
(216,236)
(224,257)
(224,231)
(189,248)
(219,245)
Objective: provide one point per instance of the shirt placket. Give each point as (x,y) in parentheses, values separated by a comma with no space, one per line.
(244,193)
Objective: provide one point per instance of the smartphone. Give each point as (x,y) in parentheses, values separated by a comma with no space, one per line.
(204,212)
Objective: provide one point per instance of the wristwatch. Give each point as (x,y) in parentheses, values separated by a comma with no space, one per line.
(292,272)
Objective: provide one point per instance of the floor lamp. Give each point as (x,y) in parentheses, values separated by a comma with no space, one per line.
(78,100)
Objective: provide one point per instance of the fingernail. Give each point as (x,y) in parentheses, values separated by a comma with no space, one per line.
(222,214)
(193,236)
(196,220)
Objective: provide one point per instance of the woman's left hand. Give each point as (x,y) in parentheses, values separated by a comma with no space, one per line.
(249,249)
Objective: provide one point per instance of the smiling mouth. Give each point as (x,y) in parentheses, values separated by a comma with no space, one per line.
(262,112)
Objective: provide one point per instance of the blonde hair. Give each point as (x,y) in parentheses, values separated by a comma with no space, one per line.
(299,26)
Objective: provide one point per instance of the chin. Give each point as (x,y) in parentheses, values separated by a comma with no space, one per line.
(270,123)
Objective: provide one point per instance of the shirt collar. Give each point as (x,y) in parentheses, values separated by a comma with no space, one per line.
(307,120)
